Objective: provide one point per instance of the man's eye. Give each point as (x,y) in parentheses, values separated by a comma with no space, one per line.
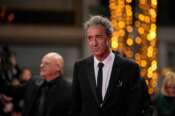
(99,37)
(89,38)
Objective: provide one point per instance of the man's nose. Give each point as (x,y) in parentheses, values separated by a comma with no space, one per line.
(94,41)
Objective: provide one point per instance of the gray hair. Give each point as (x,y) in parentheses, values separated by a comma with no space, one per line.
(99,20)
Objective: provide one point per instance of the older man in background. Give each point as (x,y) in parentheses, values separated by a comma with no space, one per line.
(49,95)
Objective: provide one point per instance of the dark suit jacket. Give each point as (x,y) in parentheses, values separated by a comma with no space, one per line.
(58,101)
(123,96)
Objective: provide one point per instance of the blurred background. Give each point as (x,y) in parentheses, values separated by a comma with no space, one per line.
(31,28)
(144,32)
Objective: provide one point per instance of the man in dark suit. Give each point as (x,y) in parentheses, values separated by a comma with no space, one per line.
(105,84)
(49,95)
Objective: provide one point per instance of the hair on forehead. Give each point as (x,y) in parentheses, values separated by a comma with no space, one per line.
(99,20)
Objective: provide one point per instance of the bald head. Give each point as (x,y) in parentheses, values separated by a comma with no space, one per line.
(57,58)
(52,65)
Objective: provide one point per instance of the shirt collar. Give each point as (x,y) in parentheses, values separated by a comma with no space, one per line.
(105,61)
(52,82)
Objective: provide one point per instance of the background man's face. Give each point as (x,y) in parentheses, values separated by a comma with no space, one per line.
(49,67)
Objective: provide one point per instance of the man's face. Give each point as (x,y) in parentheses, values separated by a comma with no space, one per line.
(49,67)
(98,41)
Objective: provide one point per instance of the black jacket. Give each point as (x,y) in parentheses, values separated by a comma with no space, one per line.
(58,101)
(123,96)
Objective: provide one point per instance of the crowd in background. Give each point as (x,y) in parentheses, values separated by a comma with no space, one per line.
(12,77)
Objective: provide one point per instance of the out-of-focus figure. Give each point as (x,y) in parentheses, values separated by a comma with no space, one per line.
(25,75)
(165,99)
(49,94)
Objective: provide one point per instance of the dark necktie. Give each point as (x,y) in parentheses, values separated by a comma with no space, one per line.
(99,82)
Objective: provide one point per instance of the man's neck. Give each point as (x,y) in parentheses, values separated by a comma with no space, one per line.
(102,57)
(50,78)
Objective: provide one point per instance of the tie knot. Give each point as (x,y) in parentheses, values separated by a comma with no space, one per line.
(100,65)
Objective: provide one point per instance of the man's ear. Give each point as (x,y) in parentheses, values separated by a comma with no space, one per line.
(59,69)
(109,42)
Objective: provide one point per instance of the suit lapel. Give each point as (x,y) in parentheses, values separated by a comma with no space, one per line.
(114,77)
(91,77)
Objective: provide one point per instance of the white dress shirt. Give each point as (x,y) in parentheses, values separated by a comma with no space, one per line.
(107,68)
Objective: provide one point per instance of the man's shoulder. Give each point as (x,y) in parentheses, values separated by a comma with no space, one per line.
(35,80)
(65,82)
(124,60)
(85,60)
